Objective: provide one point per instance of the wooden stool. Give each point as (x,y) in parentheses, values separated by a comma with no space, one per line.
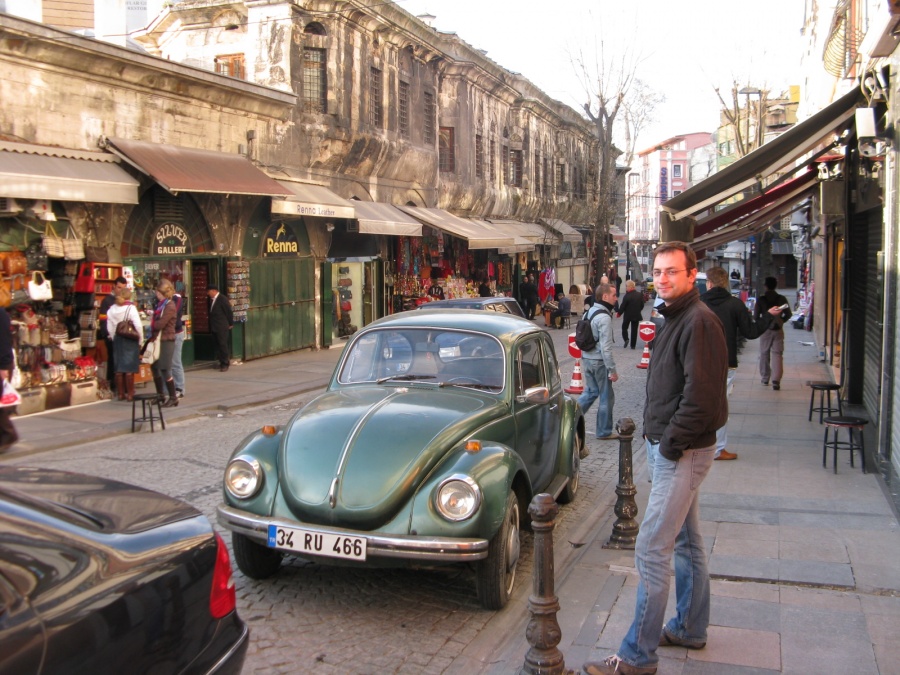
(824,388)
(564,321)
(851,424)
(147,402)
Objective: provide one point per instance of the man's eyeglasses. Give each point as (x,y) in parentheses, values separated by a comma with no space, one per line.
(669,273)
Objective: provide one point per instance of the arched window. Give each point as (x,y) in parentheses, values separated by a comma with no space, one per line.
(314,28)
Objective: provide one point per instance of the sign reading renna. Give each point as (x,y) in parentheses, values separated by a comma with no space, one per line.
(171,239)
(280,242)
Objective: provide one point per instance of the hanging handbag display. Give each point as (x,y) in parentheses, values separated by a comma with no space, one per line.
(125,329)
(39,287)
(52,243)
(73,247)
(36,257)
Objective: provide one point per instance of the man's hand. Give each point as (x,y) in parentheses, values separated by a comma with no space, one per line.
(775,311)
(614,377)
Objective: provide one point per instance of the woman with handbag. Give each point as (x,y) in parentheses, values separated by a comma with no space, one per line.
(123,324)
(163,329)
(8,434)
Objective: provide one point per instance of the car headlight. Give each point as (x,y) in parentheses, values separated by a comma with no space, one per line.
(457,498)
(243,477)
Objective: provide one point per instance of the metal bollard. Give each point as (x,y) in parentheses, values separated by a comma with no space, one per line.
(543,632)
(625,529)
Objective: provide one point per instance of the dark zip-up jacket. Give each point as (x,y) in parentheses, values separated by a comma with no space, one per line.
(631,306)
(769,300)
(735,319)
(686,401)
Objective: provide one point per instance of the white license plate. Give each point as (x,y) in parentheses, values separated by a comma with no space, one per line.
(317,543)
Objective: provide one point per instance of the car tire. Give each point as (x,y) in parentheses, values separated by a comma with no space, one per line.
(254,560)
(496,574)
(567,496)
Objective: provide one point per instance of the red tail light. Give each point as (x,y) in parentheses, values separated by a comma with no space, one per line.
(221,597)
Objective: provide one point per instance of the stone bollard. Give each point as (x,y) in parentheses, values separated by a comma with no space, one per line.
(625,529)
(543,633)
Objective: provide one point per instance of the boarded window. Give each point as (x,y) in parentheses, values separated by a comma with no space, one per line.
(376,100)
(479,156)
(403,110)
(493,174)
(538,186)
(428,124)
(515,168)
(504,163)
(561,179)
(446,149)
(315,90)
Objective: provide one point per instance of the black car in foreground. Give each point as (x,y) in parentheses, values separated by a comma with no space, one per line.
(98,576)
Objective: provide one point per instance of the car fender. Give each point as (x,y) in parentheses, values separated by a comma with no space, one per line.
(571,425)
(495,469)
(262,447)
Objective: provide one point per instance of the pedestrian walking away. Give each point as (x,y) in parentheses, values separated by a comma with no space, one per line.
(8,433)
(736,320)
(598,365)
(771,343)
(631,308)
(221,321)
(529,293)
(684,405)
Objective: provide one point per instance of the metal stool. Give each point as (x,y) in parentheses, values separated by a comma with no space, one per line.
(824,388)
(147,402)
(850,424)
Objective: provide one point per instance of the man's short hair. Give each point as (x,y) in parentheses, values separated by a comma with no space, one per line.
(121,280)
(603,289)
(629,285)
(771,283)
(718,277)
(672,246)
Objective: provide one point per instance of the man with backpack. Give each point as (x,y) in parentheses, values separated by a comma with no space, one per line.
(598,364)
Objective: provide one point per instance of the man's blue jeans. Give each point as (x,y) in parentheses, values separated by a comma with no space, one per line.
(722,434)
(177,367)
(671,526)
(597,385)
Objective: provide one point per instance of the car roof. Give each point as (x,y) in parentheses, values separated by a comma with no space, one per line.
(492,323)
(466,302)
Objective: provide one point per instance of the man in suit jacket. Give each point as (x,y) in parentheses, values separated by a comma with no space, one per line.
(221,320)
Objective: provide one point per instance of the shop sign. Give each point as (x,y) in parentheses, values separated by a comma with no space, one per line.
(280,242)
(295,208)
(171,239)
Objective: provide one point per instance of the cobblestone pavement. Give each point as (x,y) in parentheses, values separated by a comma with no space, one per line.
(326,619)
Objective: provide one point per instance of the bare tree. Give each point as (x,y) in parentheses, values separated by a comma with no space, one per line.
(747,124)
(639,108)
(607,85)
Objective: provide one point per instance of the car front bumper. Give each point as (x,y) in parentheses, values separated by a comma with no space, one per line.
(409,547)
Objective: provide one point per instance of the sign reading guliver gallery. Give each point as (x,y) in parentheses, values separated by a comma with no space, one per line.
(170,239)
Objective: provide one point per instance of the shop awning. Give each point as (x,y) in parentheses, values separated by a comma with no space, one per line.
(379,218)
(519,245)
(179,169)
(307,199)
(564,230)
(752,169)
(477,236)
(40,172)
(536,234)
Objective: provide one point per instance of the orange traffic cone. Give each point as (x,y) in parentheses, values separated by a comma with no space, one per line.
(576,386)
(645,357)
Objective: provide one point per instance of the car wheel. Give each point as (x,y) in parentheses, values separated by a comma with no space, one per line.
(496,574)
(254,560)
(567,496)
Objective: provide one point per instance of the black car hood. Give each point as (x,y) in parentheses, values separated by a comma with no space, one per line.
(89,502)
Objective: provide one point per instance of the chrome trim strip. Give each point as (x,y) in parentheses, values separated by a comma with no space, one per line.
(436,549)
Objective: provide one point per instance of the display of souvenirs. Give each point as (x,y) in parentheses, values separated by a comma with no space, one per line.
(237,273)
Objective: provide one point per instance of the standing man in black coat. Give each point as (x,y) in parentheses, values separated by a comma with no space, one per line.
(735,318)
(529,294)
(630,309)
(221,321)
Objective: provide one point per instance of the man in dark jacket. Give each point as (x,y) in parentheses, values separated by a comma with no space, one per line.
(529,294)
(221,320)
(630,309)
(684,406)
(771,343)
(735,320)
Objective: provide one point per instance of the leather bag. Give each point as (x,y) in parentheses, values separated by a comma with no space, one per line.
(150,351)
(125,329)
(5,293)
(39,287)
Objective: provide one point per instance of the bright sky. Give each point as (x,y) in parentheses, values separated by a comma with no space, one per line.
(682,49)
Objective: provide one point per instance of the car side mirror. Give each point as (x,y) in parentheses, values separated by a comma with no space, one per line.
(538,395)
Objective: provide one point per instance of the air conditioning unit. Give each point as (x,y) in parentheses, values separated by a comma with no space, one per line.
(9,206)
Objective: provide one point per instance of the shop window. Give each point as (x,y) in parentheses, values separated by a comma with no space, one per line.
(515,168)
(479,156)
(315,82)
(231,65)
(447,152)
(376,98)
(565,249)
(428,123)
(403,110)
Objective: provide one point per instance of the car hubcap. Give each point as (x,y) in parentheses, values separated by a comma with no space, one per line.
(512,547)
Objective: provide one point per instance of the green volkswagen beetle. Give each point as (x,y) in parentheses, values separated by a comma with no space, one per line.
(426,448)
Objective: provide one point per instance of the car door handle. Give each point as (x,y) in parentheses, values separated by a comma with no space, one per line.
(554,407)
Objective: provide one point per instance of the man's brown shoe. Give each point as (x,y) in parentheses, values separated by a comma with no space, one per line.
(612,437)
(613,665)
(727,455)
(666,639)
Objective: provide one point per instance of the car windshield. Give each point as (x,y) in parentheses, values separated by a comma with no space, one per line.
(437,357)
